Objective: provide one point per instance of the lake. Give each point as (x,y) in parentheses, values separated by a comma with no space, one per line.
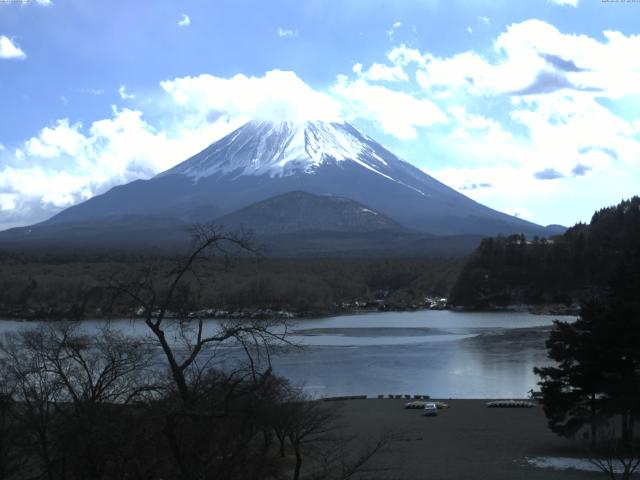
(441,353)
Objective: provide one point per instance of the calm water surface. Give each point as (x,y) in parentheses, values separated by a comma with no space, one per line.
(444,354)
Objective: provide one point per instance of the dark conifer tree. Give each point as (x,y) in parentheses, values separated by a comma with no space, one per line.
(573,390)
(597,372)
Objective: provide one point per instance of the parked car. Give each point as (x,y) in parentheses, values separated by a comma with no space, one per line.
(430,409)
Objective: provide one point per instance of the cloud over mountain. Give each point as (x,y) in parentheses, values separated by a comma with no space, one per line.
(499,111)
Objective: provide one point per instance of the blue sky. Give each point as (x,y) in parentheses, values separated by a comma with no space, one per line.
(530,107)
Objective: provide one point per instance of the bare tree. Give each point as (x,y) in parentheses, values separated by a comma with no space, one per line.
(345,457)
(310,421)
(101,367)
(68,386)
(166,312)
(91,406)
(617,457)
(32,385)
(319,441)
(220,370)
(11,459)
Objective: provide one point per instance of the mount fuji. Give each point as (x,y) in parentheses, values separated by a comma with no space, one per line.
(261,160)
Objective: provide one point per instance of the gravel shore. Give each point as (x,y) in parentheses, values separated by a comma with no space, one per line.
(465,441)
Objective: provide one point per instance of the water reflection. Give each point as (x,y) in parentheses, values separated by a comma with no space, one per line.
(447,355)
(440,353)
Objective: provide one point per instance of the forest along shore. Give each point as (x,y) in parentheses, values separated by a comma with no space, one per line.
(41,289)
(463,440)
(17,312)
(45,288)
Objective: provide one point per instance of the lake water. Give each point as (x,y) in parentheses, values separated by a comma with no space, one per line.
(444,354)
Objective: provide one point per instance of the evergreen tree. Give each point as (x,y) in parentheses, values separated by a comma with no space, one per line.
(597,372)
(573,391)
(563,269)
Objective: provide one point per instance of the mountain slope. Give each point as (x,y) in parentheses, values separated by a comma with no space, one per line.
(262,159)
(295,224)
(303,212)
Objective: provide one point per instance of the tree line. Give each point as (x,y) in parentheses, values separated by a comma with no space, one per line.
(76,288)
(568,268)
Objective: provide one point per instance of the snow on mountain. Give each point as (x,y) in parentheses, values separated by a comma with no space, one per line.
(261,160)
(282,149)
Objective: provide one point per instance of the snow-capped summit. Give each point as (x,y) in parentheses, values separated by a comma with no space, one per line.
(262,160)
(281,149)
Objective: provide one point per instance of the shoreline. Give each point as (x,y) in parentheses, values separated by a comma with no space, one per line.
(272,314)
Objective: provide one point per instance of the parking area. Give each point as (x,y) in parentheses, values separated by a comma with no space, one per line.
(465,441)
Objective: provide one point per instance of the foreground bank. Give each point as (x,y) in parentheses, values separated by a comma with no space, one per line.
(465,441)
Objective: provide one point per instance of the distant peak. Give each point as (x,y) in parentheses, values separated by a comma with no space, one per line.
(283,148)
(290,125)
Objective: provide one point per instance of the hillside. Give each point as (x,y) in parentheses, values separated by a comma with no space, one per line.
(300,211)
(564,269)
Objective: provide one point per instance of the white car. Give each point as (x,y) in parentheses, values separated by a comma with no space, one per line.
(430,409)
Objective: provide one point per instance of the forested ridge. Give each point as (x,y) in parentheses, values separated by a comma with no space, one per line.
(568,268)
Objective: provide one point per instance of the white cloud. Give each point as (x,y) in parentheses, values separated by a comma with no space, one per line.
(394,27)
(380,72)
(122,91)
(396,113)
(493,131)
(561,132)
(511,187)
(571,129)
(61,139)
(467,71)
(534,57)
(486,20)
(404,56)
(8,49)
(513,191)
(283,32)
(593,154)
(65,164)
(184,21)
(8,201)
(572,3)
(276,95)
